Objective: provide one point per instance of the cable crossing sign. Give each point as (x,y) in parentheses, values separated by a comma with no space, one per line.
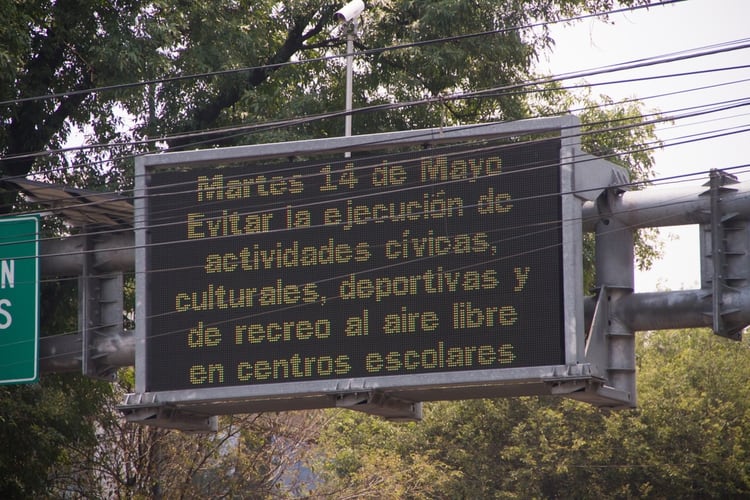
(19,299)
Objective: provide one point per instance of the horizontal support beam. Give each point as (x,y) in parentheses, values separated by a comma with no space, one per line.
(656,207)
(65,256)
(648,208)
(674,310)
(63,353)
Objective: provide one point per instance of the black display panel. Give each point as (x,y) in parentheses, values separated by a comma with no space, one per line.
(427,262)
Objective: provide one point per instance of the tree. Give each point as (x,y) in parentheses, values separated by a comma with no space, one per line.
(54,52)
(220,64)
(37,425)
(688,438)
(256,456)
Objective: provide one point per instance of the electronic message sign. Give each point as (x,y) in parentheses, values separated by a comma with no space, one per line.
(428,265)
(439,260)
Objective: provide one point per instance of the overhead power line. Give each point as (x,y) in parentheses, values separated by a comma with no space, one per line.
(685,139)
(655,118)
(366,52)
(522,87)
(686,112)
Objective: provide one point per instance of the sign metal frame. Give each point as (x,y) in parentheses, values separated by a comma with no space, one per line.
(412,387)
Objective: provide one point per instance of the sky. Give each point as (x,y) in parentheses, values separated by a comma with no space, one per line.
(659,31)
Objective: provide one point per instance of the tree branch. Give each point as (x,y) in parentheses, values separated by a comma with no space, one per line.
(205,115)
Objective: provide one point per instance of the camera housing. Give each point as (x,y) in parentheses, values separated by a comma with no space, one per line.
(350,11)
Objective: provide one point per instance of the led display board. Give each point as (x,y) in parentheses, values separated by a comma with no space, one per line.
(423,265)
(276,272)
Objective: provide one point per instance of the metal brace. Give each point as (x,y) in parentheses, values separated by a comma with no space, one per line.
(382,405)
(100,314)
(145,409)
(717,184)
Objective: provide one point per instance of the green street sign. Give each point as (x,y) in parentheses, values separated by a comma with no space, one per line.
(19,299)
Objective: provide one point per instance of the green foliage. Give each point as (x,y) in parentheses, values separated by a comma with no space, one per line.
(365,457)
(72,45)
(38,425)
(623,133)
(612,129)
(704,434)
(688,439)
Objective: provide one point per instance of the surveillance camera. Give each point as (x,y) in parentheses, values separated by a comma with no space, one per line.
(350,11)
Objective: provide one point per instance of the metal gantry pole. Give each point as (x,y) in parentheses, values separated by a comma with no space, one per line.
(615,277)
(351,28)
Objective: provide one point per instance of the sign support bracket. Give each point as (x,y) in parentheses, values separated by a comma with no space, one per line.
(721,255)
(382,405)
(145,409)
(100,312)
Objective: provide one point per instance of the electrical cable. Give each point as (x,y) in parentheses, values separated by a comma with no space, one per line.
(736,131)
(326,58)
(684,141)
(743,166)
(242,130)
(725,105)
